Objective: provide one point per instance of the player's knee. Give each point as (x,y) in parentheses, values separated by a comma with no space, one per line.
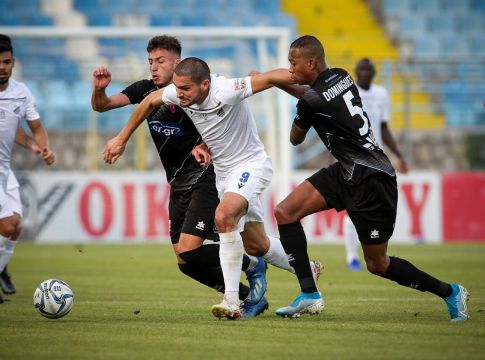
(283,215)
(377,266)
(225,220)
(256,249)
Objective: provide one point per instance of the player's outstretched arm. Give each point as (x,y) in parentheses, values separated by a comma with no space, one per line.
(99,100)
(266,80)
(115,147)
(293,89)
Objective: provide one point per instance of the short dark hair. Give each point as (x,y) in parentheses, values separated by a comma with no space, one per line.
(5,43)
(309,45)
(194,67)
(165,42)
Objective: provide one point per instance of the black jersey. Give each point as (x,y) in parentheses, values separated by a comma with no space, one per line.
(334,108)
(174,135)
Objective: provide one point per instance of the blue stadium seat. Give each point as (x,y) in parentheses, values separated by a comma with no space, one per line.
(427,6)
(442,23)
(412,26)
(456,6)
(396,8)
(477,45)
(270,7)
(478,5)
(428,48)
(471,23)
(455,47)
(99,18)
(165,19)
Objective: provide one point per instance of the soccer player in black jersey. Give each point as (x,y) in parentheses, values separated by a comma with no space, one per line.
(362,181)
(193,194)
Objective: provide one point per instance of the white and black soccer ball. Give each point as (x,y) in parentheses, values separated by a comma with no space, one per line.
(53,298)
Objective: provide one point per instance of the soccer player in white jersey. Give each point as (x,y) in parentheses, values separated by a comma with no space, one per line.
(375,101)
(16,103)
(221,113)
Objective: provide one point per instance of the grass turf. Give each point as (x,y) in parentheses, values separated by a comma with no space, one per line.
(131,302)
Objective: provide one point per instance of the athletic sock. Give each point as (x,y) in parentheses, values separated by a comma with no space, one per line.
(211,276)
(406,274)
(294,242)
(6,253)
(249,262)
(231,252)
(276,255)
(208,255)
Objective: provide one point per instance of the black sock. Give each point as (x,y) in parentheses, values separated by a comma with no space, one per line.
(211,276)
(406,274)
(293,239)
(205,255)
(208,255)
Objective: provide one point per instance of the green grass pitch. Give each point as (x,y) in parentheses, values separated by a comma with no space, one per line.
(131,302)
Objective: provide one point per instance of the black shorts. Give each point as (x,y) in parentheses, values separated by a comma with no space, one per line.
(192,211)
(371,202)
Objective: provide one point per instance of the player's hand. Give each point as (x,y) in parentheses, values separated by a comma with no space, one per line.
(101,77)
(113,149)
(202,154)
(48,156)
(402,166)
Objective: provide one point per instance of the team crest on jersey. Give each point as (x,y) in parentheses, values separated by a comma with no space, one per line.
(2,114)
(173,108)
(221,112)
(239,84)
(16,108)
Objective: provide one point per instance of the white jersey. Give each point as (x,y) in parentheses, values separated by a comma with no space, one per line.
(225,122)
(375,102)
(16,103)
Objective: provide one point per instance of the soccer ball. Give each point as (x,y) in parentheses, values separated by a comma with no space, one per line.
(53,298)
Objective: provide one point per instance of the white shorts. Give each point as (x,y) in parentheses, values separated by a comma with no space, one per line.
(10,200)
(249,180)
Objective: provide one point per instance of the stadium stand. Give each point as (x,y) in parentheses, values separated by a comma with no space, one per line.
(430,54)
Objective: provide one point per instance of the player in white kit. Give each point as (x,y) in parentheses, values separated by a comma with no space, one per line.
(375,101)
(16,104)
(219,109)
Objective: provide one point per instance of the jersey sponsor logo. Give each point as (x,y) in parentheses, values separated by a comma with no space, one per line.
(338,88)
(167,129)
(243,179)
(239,84)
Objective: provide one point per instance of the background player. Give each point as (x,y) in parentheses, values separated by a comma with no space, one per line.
(193,195)
(375,101)
(362,181)
(16,104)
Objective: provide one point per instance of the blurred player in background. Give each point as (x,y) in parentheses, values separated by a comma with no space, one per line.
(16,104)
(193,194)
(219,110)
(362,181)
(375,101)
